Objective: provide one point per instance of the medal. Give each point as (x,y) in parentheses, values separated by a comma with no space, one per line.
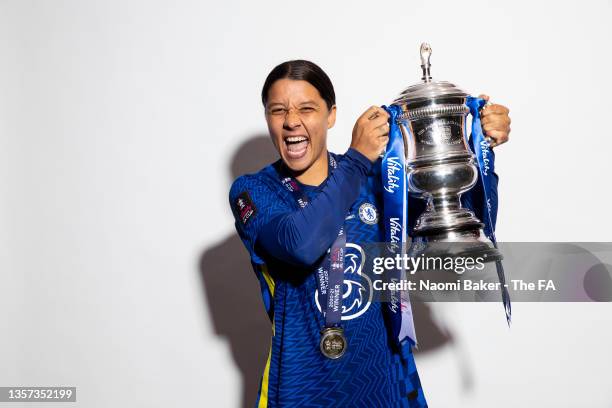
(333,343)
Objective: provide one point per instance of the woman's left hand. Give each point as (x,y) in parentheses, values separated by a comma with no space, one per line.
(495,122)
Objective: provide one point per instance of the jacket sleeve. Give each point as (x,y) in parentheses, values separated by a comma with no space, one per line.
(301,236)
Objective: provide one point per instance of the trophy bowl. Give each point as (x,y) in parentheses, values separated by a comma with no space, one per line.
(441,166)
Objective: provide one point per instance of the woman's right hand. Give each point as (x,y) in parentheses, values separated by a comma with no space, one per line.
(371,132)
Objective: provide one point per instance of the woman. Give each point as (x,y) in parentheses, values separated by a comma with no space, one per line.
(289,214)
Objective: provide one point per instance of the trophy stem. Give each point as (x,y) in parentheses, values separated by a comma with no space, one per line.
(443,203)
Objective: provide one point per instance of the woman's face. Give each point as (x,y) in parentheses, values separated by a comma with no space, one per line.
(298,120)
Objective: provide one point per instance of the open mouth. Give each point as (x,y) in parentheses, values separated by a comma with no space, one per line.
(296,146)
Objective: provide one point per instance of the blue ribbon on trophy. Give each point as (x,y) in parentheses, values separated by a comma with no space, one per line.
(398,310)
(486,164)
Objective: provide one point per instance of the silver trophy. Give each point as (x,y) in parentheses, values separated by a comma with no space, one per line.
(440,165)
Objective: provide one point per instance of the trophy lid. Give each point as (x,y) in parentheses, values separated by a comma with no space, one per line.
(428,89)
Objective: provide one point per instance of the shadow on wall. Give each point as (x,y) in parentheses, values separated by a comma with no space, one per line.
(233,298)
(231,289)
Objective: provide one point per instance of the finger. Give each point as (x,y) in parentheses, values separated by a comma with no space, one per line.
(377,122)
(496,143)
(384,128)
(367,114)
(384,134)
(375,111)
(379,114)
(373,115)
(494,108)
(483,96)
(496,125)
(496,118)
(498,136)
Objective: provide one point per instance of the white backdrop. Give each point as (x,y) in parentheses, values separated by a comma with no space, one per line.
(122,124)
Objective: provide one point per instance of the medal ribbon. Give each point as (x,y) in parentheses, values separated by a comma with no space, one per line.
(330,274)
(395,199)
(486,163)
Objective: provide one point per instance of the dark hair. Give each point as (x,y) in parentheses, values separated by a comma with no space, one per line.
(301,70)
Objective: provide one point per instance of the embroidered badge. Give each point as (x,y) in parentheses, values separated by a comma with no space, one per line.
(368,213)
(245,207)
